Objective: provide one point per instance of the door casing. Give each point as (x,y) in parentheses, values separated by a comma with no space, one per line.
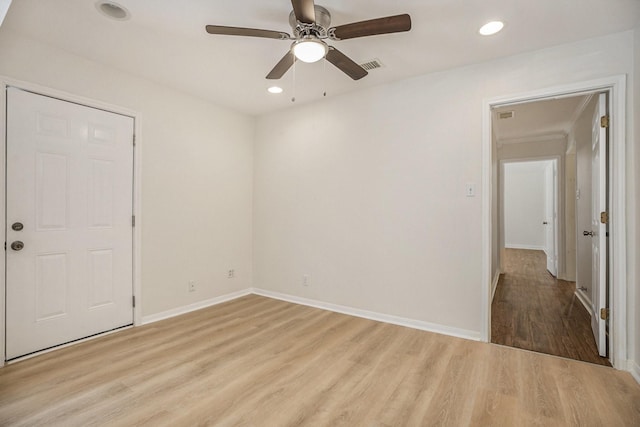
(137,162)
(616,88)
(553,221)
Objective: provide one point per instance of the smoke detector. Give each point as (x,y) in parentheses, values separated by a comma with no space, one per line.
(113,10)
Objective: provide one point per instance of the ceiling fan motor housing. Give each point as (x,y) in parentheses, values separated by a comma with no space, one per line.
(311,26)
(318,28)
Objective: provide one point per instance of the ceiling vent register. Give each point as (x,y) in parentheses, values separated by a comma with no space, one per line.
(506,115)
(372,65)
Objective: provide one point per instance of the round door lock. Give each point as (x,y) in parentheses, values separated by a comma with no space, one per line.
(17,245)
(17,226)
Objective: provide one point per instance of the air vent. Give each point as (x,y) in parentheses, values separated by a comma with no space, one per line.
(506,115)
(372,65)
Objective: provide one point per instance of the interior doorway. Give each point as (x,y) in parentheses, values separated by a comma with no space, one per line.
(530,200)
(547,182)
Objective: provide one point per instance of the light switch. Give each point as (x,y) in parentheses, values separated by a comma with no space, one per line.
(470,189)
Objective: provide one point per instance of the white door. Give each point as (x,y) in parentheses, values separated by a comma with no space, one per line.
(69,203)
(598,226)
(550,214)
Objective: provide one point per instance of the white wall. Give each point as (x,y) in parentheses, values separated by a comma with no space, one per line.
(196,173)
(365,192)
(524,205)
(556,147)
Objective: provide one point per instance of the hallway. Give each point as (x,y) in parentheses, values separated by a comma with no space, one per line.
(533,310)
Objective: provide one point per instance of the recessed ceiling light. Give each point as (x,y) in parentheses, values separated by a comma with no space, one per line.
(491,28)
(113,10)
(275,89)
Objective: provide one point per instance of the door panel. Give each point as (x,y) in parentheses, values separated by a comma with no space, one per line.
(598,228)
(69,182)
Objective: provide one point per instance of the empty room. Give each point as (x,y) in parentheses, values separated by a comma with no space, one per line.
(364,213)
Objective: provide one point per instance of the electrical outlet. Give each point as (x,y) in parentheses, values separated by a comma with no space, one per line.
(306,279)
(231,274)
(192,285)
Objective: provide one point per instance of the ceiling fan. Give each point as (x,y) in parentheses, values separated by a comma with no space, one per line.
(311,26)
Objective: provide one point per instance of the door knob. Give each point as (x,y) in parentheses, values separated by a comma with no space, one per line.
(545,223)
(17,245)
(588,233)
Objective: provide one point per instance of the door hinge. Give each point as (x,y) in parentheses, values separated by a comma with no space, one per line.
(604,217)
(604,121)
(134,139)
(133,300)
(133,220)
(604,313)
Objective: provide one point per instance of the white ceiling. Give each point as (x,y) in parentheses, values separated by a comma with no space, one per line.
(165,40)
(538,120)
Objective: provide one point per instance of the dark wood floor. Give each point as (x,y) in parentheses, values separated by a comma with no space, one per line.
(535,311)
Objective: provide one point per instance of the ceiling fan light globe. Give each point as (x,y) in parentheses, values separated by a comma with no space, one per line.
(310,50)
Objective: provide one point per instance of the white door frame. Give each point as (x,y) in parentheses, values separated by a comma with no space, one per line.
(556,214)
(137,162)
(616,86)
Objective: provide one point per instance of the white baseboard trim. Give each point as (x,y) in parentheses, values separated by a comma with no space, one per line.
(634,368)
(193,307)
(494,283)
(531,247)
(379,317)
(586,302)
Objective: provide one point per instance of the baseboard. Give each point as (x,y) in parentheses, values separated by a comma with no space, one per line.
(386,318)
(634,368)
(586,302)
(193,307)
(379,317)
(494,284)
(531,247)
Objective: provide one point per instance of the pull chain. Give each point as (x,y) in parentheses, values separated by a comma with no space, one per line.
(293,98)
(324,75)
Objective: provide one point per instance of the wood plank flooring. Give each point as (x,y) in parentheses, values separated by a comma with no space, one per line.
(535,311)
(256,361)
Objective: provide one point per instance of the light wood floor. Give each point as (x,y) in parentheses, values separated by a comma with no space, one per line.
(256,361)
(535,311)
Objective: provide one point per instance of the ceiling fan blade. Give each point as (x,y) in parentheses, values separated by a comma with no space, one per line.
(386,25)
(250,32)
(282,66)
(345,64)
(304,10)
